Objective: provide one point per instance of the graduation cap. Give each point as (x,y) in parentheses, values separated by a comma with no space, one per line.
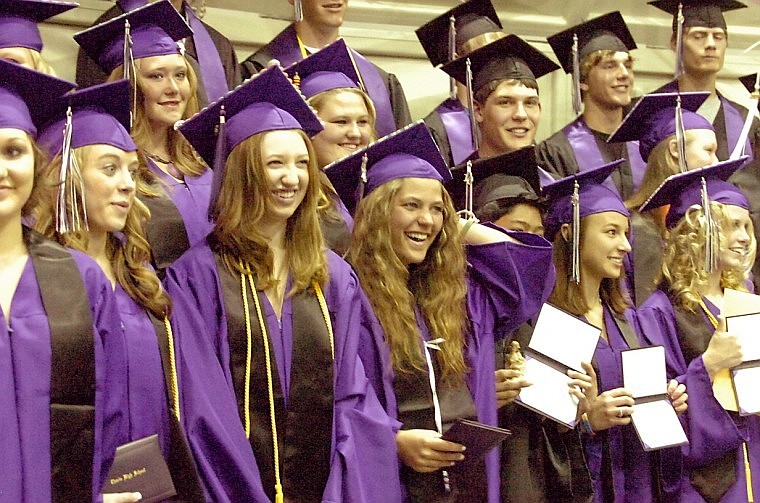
(655,117)
(471,19)
(19,19)
(513,175)
(410,152)
(699,187)
(98,115)
(705,13)
(151,30)
(26,95)
(508,58)
(577,196)
(331,67)
(605,33)
(266,102)
(752,83)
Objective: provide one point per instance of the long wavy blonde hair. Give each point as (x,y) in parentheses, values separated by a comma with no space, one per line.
(181,152)
(129,257)
(437,286)
(242,203)
(683,262)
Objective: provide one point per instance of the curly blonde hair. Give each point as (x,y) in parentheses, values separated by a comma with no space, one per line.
(129,257)
(182,154)
(437,286)
(683,261)
(242,204)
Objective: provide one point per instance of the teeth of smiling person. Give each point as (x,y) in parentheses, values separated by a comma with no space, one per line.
(415,236)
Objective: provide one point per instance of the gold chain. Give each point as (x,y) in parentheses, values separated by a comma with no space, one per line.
(172,369)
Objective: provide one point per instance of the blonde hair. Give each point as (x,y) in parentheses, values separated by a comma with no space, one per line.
(568,295)
(40,192)
(683,262)
(242,203)
(181,152)
(437,286)
(129,257)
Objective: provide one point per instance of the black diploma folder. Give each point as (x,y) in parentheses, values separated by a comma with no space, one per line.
(477,437)
(140,466)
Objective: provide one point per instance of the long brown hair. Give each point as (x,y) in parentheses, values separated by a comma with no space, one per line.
(242,204)
(129,257)
(437,286)
(181,152)
(568,295)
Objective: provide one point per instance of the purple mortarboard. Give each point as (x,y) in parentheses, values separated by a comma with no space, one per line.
(577,196)
(513,175)
(682,190)
(605,33)
(331,67)
(410,152)
(19,19)
(267,102)
(471,19)
(507,58)
(26,95)
(154,30)
(655,117)
(705,13)
(99,116)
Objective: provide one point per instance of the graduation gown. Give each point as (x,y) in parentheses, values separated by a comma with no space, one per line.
(576,147)
(25,371)
(715,435)
(89,73)
(450,126)
(620,469)
(645,256)
(362,435)
(180,221)
(507,284)
(384,88)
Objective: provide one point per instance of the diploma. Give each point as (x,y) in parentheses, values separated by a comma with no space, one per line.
(744,377)
(139,466)
(654,418)
(560,342)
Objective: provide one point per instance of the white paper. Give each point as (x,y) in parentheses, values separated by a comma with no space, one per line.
(746,329)
(644,371)
(747,391)
(550,393)
(657,425)
(564,338)
(736,303)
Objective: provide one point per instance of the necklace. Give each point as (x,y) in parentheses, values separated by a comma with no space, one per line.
(157,158)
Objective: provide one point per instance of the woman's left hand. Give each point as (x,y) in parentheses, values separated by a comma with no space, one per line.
(678,396)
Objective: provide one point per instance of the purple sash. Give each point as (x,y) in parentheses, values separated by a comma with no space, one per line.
(456,120)
(588,155)
(734,125)
(286,50)
(212,70)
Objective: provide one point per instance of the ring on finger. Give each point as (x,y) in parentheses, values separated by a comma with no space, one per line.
(620,412)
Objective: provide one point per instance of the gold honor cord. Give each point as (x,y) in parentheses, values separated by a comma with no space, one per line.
(279,498)
(747,470)
(172,369)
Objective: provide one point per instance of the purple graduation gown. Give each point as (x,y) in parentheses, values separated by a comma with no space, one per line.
(25,363)
(191,199)
(148,410)
(507,284)
(711,430)
(363,437)
(617,450)
(450,126)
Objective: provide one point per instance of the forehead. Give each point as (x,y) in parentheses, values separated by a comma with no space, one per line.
(617,57)
(344,101)
(514,89)
(704,30)
(164,61)
(283,142)
(7,133)
(606,218)
(427,189)
(102,150)
(736,212)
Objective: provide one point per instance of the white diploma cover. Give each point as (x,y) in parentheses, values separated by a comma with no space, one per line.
(654,418)
(746,376)
(560,342)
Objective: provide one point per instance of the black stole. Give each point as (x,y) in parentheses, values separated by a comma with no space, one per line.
(165,232)
(713,480)
(304,428)
(181,463)
(416,411)
(72,379)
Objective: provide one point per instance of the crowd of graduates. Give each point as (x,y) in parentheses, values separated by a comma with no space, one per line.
(297,290)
